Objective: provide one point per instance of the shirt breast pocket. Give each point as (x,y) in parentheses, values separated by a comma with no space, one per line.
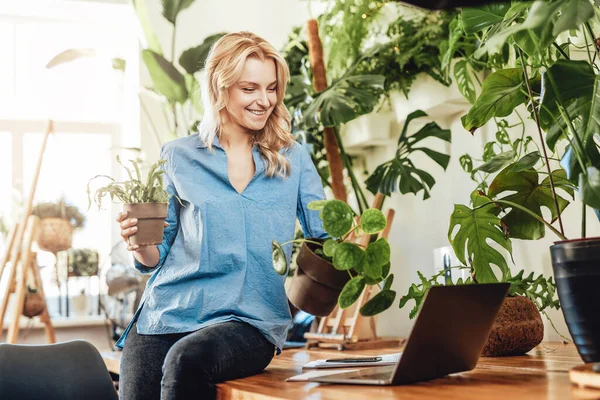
(223,232)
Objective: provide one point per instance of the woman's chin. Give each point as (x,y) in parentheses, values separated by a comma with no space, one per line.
(256,126)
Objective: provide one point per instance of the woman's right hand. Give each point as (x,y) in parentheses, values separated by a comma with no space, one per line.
(128,228)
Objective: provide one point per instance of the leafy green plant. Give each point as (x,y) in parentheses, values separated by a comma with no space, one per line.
(135,190)
(527,47)
(366,266)
(400,173)
(174,80)
(59,209)
(540,290)
(82,262)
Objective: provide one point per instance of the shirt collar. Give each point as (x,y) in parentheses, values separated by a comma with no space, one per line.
(258,161)
(202,144)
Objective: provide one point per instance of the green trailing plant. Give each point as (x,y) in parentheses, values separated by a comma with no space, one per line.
(134,190)
(59,209)
(366,266)
(367,59)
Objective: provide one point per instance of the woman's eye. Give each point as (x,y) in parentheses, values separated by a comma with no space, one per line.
(272,89)
(248,90)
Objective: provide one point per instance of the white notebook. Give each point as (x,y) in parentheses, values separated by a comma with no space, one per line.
(315,374)
(357,361)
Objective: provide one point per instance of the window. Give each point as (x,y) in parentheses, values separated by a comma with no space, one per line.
(95,110)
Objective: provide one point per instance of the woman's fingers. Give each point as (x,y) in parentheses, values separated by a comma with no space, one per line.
(128,231)
(166,224)
(133,247)
(121,216)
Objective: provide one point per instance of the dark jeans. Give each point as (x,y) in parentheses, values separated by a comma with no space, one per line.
(188,365)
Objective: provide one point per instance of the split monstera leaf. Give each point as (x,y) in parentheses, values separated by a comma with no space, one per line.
(366,265)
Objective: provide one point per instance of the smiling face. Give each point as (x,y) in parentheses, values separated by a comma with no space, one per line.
(254,96)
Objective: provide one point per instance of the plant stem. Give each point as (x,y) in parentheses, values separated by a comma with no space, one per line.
(564,338)
(301,240)
(561,51)
(348,234)
(173,41)
(583,210)
(587,48)
(537,122)
(591,32)
(151,122)
(527,211)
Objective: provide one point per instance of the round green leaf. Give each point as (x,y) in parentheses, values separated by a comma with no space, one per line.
(317,204)
(373,271)
(378,253)
(337,218)
(279,259)
(372,221)
(381,302)
(351,292)
(347,255)
(385,270)
(388,282)
(329,247)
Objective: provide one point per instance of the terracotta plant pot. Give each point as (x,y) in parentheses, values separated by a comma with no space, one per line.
(518,329)
(54,234)
(34,304)
(576,265)
(151,217)
(316,284)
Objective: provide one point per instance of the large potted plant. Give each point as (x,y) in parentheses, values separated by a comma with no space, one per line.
(534,51)
(145,200)
(336,271)
(58,220)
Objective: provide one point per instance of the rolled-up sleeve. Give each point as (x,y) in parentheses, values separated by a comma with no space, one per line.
(310,189)
(172,218)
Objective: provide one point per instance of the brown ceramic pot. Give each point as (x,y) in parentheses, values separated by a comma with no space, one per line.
(34,304)
(518,328)
(151,217)
(316,284)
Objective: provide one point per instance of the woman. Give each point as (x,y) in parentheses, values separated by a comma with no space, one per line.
(214,308)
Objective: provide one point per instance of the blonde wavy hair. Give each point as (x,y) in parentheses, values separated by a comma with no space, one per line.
(223,68)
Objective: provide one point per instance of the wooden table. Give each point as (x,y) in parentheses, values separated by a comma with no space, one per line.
(542,374)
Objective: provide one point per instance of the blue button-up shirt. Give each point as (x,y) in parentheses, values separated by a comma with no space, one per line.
(215,259)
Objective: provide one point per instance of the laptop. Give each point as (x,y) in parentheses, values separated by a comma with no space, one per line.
(447,337)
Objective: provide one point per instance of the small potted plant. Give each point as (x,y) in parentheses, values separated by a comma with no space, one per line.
(82,262)
(145,200)
(335,271)
(34,304)
(58,220)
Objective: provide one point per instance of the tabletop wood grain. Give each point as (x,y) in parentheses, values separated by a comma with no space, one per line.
(541,374)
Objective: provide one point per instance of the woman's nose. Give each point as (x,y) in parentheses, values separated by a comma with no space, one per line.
(263,99)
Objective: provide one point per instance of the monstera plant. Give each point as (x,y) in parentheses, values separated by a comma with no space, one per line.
(542,61)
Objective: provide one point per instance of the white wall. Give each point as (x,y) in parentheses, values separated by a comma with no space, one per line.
(419,226)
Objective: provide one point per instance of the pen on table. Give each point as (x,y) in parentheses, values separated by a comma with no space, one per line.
(362,359)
